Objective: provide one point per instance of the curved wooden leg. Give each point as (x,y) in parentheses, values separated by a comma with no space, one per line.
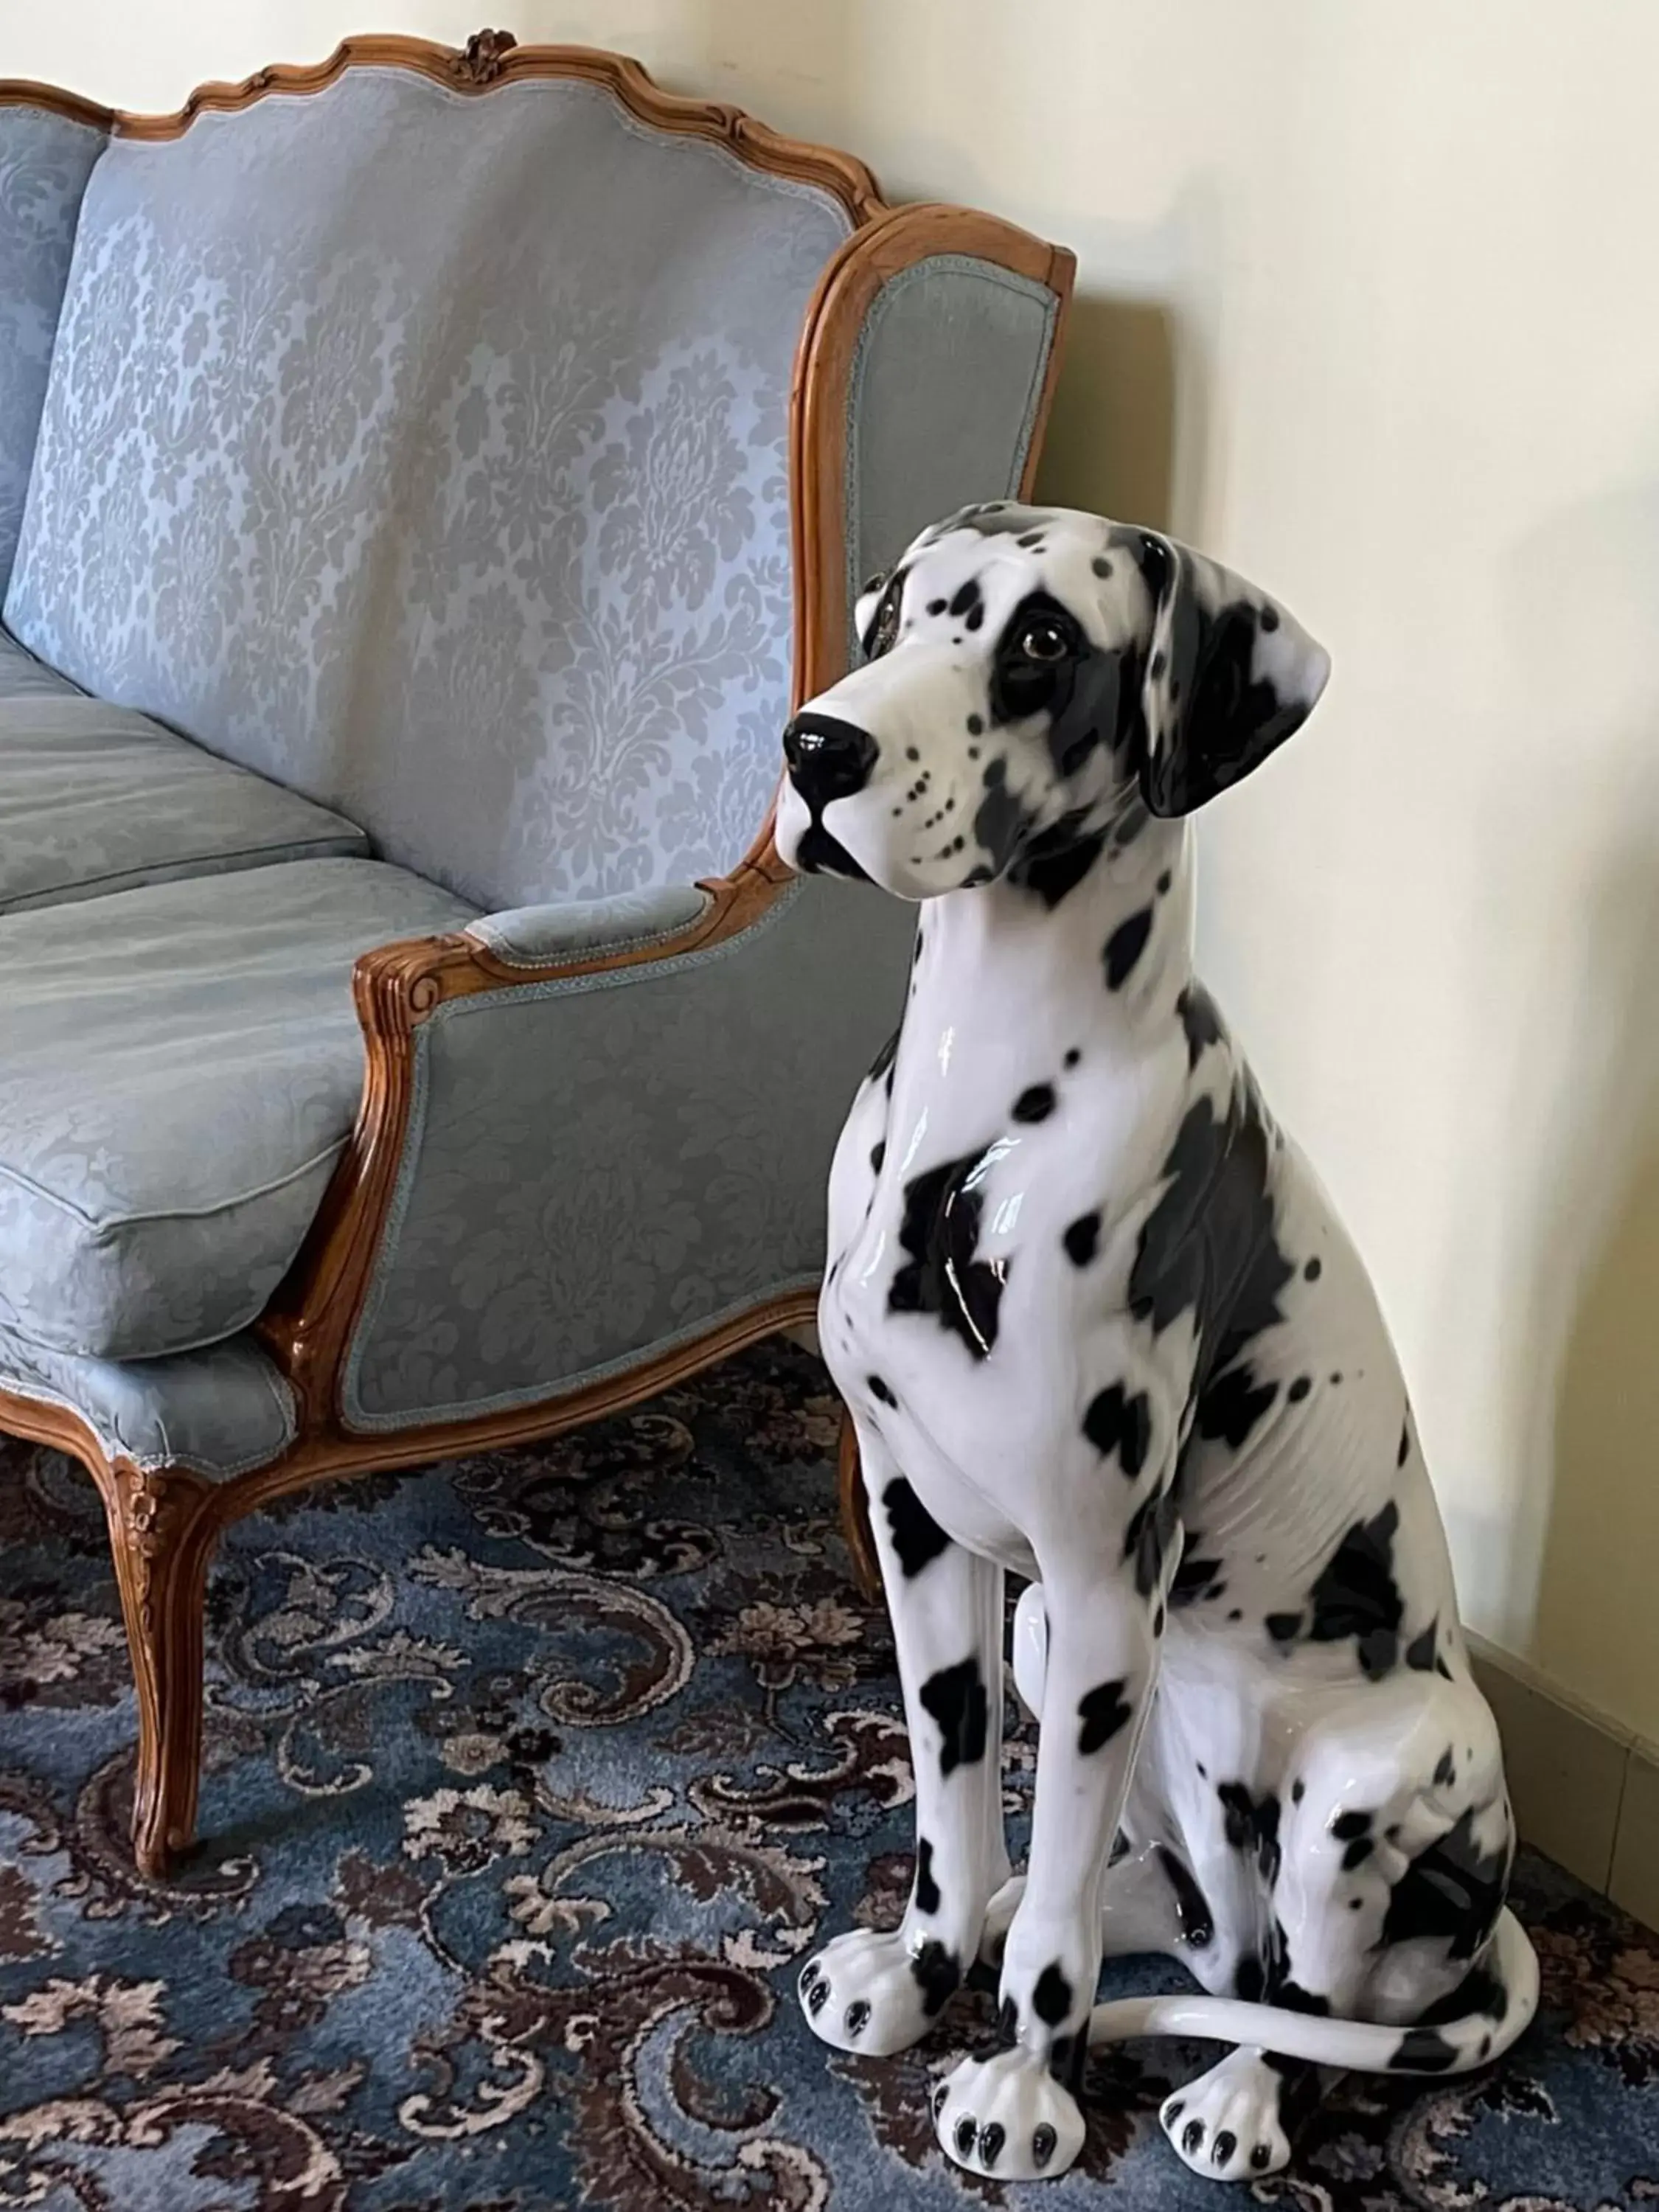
(855,1511)
(162,1530)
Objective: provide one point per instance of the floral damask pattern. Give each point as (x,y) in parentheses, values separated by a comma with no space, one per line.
(531,1779)
(428,455)
(44,162)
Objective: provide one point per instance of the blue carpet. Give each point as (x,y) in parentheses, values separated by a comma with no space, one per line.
(531,1781)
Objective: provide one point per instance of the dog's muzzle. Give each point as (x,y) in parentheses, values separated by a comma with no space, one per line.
(828,760)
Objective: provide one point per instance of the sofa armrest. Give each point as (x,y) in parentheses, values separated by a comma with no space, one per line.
(538,936)
(558,1170)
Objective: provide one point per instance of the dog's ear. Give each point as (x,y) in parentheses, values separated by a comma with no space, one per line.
(1228,677)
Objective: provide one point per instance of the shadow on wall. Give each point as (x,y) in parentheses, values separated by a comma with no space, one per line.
(1111,436)
(1591,1435)
(1596,1626)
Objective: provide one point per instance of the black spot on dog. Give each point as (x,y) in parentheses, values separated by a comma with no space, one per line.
(1101,565)
(1056,861)
(1103,1711)
(1356,1594)
(878,1154)
(1299,1791)
(1445,1770)
(1146,1540)
(1002,822)
(1314,1270)
(926,1889)
(1453,1889)
(938,1974)
(1082,1239)
(1346,1825)
(917,1537)
(1405,1443)
(1051,2000)
(1125,947)
(1008,2024)
(955,1697)
(882,1062)
(1480,1994)
(1419,1652)
(977,726)
(967,599)
(882,1390)
(1233,1406)
(1299,1390)
(1035,1104)
(1424,2050)
(1164,882)
(1196,1578)
(1209,1247)
(1251,1824)
(1196,1919)
(1121,1423)
(942,1276)
(1357,1853)
(1283,1627)
(936,606)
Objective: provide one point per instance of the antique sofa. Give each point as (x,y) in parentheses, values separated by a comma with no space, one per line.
(426,480)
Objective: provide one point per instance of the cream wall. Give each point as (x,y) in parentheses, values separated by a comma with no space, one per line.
(1369,307)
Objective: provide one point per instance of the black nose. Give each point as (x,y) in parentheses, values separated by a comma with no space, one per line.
(828,759)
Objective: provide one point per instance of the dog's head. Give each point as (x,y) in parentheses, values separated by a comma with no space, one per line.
(1033,675)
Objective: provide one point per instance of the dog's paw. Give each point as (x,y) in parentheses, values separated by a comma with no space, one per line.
(1008,2117)
(870,1993)
(1225,2124)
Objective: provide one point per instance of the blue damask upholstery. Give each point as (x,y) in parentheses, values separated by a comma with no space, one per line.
(45,161)
(97,799)
(697,1101)
(182,1064)
(432,462)
(218,1411)
(535,936)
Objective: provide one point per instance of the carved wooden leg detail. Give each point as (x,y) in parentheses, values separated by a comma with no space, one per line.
(855,1511)
(162,1530)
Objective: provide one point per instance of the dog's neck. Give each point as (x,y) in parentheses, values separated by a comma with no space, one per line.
(1000,962)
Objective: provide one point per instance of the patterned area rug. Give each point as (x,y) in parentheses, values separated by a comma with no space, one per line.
(531,1780)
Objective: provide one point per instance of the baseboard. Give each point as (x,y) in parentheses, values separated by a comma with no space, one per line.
(1585,1790)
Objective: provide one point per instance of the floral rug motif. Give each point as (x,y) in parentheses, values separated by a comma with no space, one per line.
(532,1779)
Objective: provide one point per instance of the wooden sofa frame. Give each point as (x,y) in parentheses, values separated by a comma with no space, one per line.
(164,1522)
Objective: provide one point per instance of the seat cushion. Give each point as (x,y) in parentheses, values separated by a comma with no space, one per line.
(95,798)
(181,1066)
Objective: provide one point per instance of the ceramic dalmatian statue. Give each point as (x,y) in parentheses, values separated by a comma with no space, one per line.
(1097,1323)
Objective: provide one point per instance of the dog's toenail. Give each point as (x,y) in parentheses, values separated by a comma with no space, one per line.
(990,2140)
(858,2017)
(1193,2138)
(1173,2110)
(1222,2148)
(816,1997)
(941,2090)
(1259,2156)
(967,2134)
(1043,2140)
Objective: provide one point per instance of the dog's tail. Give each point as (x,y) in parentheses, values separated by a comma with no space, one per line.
(1508,1987)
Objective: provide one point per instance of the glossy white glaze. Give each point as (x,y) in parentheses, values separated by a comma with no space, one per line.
(1097,1324)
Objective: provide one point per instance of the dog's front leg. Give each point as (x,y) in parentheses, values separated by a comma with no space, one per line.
(877,1992)
(1010,2115)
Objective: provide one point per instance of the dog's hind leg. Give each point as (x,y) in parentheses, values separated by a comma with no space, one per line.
(874,1992)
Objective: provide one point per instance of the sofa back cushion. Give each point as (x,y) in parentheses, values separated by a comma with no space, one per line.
(44,160)
(426,451)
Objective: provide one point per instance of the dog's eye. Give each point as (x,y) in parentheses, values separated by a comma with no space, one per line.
(1043,641)
(884,629)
